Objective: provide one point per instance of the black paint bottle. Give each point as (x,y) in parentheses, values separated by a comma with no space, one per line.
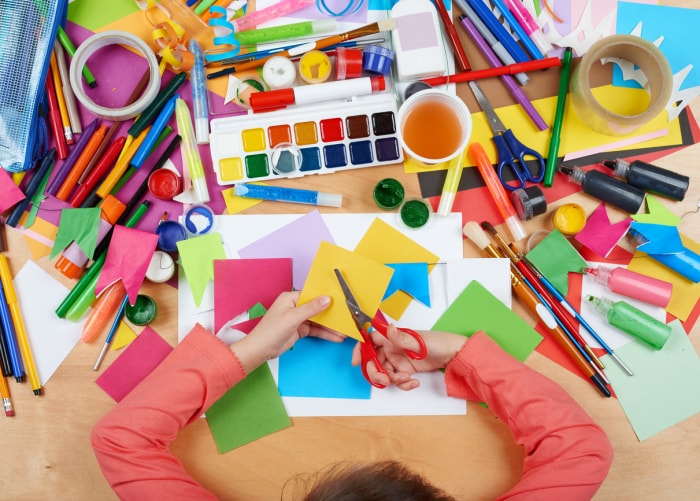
(606,188)
(650,178)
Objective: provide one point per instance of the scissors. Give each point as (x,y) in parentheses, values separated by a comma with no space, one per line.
(511,152)
(364,324)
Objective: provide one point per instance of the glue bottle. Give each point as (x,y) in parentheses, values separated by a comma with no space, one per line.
(418,55)
(685,263)
(607,188)
(650,178)
(632,284)
(633,321)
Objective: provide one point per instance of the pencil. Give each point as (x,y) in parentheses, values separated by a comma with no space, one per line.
(21,332)
(5,394)
(369,29)
(68,95)
(553,153)
(55,120)
(60,98)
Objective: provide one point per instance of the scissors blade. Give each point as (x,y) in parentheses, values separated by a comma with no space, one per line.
(494,122)
(361,318)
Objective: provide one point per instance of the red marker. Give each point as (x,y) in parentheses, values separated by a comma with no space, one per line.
(309,94)
(98,172)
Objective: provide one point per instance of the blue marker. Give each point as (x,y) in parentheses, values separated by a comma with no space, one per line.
(293,195)
(493,24)
(10,338)
(153,134)
(199,94)
(519,30)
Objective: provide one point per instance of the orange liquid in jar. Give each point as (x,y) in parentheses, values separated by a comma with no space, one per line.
(432,130)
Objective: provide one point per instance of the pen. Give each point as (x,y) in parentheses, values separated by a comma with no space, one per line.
(452,36)
(68,94)
(60,98)
(519,29)
(511,69)
(529,24)
(149,114)
(6,400)
(553,153)
(44,169)
(72,178)
(508,80)
(72,157)
(55,118)
(493,42)
(17,321)
(451,184)
(112,331)
(293,195)
(199,192)
(100,170)
(495,26)
(152,136)
(498,192)
(199,94)
(70,49)
(13,350)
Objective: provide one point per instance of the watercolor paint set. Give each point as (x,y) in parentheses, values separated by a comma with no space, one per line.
(312,139)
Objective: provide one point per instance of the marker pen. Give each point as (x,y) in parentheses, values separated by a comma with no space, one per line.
(529,24)
(293,195)
(519,28)
(154,132)
(309,94)
(607,188)
(632,284)
(650,177)
(286,31)
(199,192)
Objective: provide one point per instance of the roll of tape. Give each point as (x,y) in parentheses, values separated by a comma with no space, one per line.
(95,43)
(638,51)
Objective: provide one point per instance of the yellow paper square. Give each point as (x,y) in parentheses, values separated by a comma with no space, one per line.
(367,278)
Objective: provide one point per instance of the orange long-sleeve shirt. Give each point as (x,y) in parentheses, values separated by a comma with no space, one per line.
(567,454)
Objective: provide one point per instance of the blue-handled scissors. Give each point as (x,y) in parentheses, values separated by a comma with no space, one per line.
(364,324)
(511,152)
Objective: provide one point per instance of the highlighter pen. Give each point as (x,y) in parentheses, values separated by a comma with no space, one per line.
(154,133)
(274,11)
(553,153)
(199,192)
(519,30)
(13,350)
(493,24)
(309,94)
(20,330)
(286,32)
(112,332)
(293,195)
(529,24)
(451,185)
(199,94)
(70,49)
(498,192)
(491,39)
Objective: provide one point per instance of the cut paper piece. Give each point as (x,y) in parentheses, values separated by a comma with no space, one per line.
(39,237)
(318,368)
(79,226)
(555,257)
(681,98)
(241,283)
(236,204)
(657,214)
(493,274)
(583,23)
(38,294)
(367,279)
(197,256)
(476,309)
(136,362)
(250,410)
(612,336)
(128,256)
(685,293)
(123,336)
(298,240)
(575,135)
(616,145)
(665,388)
(257,310)
(94,17)
(599,234)
(38,198)
(386,244)
(10,194)
(660,239)
(411,278)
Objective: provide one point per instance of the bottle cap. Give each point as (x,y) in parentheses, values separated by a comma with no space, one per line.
(315,67)
(348,63)
(529,202)
(164,183)
(569,219)
(161,268)
(169,234)
(143,312)
(415,212)
(377,59)
(388,194)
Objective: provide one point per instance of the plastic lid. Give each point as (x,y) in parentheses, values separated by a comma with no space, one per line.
(315,67)
(377,59)
(143,312)
(329,199)
(415,213)
(199,220)
(161,268)
(164,183)
(348,63)
(169,234)
(569,219)
(201,127)
(388,193)
(529,202)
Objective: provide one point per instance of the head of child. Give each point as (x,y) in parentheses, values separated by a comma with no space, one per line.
(379,481)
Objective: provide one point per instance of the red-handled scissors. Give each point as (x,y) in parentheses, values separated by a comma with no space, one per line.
(364,324)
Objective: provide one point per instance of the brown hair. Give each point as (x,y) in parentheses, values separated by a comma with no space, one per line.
(380,481)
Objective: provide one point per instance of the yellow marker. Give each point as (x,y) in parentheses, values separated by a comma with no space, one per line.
(21,332)
(122,164)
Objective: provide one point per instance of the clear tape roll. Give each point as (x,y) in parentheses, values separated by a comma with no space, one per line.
(95,43)
(638,51)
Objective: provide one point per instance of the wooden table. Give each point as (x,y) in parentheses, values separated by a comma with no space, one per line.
(46,452)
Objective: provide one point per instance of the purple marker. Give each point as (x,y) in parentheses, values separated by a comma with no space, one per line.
(72,157)
(508,80)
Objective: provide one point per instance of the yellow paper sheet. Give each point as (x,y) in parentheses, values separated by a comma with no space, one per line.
(123,336)
(367,278)
(236,204)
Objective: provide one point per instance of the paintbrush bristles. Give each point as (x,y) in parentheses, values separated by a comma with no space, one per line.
(387,24)
(473,232)
(370,29)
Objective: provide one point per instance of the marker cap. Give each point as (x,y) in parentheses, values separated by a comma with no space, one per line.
(528,202)
(377,59)
(348,63)
(329,199)
(201,128)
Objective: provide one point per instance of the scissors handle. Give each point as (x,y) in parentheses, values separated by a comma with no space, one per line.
(382,326)
(511,154)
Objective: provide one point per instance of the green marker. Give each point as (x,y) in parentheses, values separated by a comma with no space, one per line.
(70,49)
(151,112)
(553,154)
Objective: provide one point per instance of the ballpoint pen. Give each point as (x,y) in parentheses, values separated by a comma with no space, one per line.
(18,322)
(199,192)
(452,36)
(112,332)
(553,153)
(199,94)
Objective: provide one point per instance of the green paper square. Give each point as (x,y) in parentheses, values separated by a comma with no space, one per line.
(555,257)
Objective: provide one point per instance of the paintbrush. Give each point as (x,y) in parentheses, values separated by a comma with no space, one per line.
(370,29)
